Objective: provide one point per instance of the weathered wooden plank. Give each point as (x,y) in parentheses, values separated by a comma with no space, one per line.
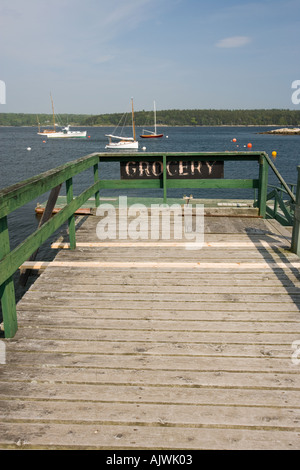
(218,265)
(209,336)
(167,297)
(72,317)
(93,286)
(57,358)
(166,244)
(89,411)
(230,305)
(195,325)
(98,436)
(286,381)
(128,393)
(162,277)
(45,343)
(200,255)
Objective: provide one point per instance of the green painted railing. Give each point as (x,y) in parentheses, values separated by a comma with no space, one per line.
(283,198)
(295,247)
(283,205)
(18,195)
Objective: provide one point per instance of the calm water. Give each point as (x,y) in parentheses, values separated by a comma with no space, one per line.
(17,163)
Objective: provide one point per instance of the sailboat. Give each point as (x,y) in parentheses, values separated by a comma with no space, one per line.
(151,134)
(47,132)
(123,142)
(64,133)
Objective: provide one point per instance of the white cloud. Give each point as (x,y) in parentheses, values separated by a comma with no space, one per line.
(235,41)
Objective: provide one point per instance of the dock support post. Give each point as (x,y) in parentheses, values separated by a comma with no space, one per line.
(25,273)
(71,221)
(165,178)
(96,179)
(7,289)
(295,246)
(263,186)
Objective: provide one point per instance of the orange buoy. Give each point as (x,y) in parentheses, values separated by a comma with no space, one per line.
(234,140)
(249,145)
(274,154)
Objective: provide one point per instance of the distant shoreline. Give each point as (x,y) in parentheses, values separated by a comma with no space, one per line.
(275,131)
(284,131)
(164,118)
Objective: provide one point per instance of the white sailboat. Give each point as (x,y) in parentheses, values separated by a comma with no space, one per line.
(64,133)
(123,142)
(151,134)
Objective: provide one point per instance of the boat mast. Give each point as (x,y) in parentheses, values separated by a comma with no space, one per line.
(133,125)
(53,111)
(154,119)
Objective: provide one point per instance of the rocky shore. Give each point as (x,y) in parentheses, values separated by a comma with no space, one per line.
(284,131)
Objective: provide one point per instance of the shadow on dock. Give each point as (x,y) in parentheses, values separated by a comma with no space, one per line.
(287,274)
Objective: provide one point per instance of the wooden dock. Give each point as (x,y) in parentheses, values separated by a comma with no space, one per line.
(147,345)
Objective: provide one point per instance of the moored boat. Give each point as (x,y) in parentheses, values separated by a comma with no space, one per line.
(151,134)
(64,133)
(123,142)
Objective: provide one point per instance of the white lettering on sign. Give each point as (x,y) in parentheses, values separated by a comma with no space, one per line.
(174,169)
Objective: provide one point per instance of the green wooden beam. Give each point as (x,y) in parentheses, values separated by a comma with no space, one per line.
(213,183)
(295,246)
(96,179)
(263,186)
(165,178)
(7,289)
(131,184)
(181,183)
(71,219)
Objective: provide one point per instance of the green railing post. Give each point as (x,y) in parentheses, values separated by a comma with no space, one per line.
(7,289)
(165,178)
(263,186)
(295,246)
(71,220)
(96,179)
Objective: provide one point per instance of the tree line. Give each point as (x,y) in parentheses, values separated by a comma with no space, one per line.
(171,117)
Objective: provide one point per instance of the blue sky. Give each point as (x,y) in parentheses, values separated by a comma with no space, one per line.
(94,55)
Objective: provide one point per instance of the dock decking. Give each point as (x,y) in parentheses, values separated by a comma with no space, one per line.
(147,345)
